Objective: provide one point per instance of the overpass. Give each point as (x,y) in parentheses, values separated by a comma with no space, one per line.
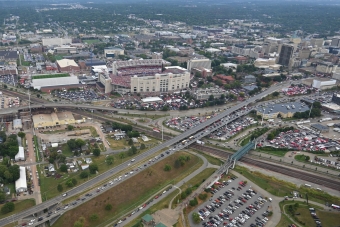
(81,188)
(231,161)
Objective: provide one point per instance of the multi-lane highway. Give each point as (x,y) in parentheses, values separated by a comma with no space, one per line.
(138,158)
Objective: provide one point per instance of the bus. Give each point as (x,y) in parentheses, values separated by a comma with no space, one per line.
(335,206)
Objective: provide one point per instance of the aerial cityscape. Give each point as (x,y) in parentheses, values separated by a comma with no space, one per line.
(170,113)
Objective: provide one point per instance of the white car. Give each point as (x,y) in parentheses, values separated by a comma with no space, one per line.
(33,220)
(31,223)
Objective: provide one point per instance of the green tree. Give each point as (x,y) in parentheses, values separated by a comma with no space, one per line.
(60,188)
(70,127)
(80,142)
(130,142)
(96,152)
(71,144)
(7,208)
(94,217)
(63,168)
(21,135)
(307,158)
(196,218)
(93,168)
(270,136)
(74,181)
(84,174)
(142,146)
(167,167)
(69,183)
(108,207)
(109,160)
(78,224)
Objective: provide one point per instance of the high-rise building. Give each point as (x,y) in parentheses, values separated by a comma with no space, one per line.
(316,42)
(199,63)
(335,42)
(286,54)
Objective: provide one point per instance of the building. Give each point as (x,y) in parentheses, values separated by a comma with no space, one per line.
(326,67)
(53,119)
(316,42)
(336,98)
(249,79)
(286,54)
(304,53)
(335,42)
(281,109)
(21,184)
(111,52)
(173,78)
(264,63)
(320,128)
(20,156)
(17,124)
(199,63)
(67,65)
(50,84)
(36,48)
(8,56)
(56,41)
(148,220)
(323,83)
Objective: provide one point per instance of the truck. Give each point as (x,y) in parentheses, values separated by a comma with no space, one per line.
(325,119)
(54,144)
(200,142)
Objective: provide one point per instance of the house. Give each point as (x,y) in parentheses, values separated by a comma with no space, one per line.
(135,140)
(145,138)
(108,129)
(88,160)
(84,166)
(51,168)
(249,79)
(85,148)
(148,220)
(119,135)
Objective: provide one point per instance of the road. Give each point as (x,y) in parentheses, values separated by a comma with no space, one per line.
(138,158)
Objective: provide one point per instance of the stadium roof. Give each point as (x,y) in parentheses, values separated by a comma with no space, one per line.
(66,62)
(59,81)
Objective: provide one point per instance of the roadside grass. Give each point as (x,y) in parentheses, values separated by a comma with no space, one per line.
(14,224)
(36,148)
(329,219)
(198,179)
(275,152)
(211,159)
(45,76)
(145,115)
(131,193)
(19,206)
(284,221)
(283,188)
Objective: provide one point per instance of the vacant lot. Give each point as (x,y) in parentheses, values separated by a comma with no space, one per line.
(19,206)
(50,76)
(130,193)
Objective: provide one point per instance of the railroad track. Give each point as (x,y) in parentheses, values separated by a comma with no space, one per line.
(275,168)
(23,96)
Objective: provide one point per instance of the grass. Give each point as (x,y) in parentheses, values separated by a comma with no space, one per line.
(45,76)
(211,159)
(145,115)
(23,62)
(279,153)
(198,179)
(300,158)
(19,206)
(130,193)
(284,221)
(36,148)
(283,188)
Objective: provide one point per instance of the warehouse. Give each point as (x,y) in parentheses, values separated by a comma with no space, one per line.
(67,65)
(282,109)
(21,184)
(53,119)
(50,84)
(320,128)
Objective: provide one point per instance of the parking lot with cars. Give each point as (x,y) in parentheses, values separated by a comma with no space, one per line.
(79,96)
(9,79)
(234,203)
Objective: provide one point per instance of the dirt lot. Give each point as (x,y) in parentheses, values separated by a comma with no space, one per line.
(139,187)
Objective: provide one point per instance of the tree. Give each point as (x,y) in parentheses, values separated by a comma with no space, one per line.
(130,142)
(96,152)
(196,218)
(69,183)
(142,146)
(63,168)
(71,144)
(74,181)
(109,160)
(60,188)
(108,207)
(84,174)
(70,127)
(80,142)
(121,155)
(167,167)
(307,158)
(270,136)
(7,208)
(276,93)
(78,224)
(21,135)
(94,217)
(93,168)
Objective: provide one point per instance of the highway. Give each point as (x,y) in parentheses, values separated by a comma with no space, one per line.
(85,186)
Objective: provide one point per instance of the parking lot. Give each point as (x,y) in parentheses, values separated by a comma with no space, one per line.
(79,95)
(234,203)
(9,79)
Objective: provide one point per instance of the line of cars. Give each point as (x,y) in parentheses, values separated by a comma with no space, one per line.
(225,208)
(86,95)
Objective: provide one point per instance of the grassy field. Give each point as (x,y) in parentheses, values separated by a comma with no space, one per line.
(145,115)
(131,193)
(23,62)
(211,159)
(283,188)
(284,221)
(50,76)
(279,153)
(19,206)
(91,41)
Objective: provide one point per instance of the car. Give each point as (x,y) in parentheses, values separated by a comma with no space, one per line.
(65,194)
(24,224)
(120,221)
(33,220)
(31,223)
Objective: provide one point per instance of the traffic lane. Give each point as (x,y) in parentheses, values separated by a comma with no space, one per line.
(235,184)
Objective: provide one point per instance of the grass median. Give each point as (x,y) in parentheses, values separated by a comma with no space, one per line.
(129,194)
(18,207)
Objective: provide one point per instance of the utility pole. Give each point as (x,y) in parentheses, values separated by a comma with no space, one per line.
(162,132)
(310,110)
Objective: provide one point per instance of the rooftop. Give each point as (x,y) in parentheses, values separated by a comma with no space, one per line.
(66,62)
(320,127)
(147,218)
(37,84)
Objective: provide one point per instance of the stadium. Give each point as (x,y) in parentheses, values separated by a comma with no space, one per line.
(147,75)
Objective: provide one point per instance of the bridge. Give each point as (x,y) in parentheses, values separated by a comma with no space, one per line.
(231,161)
(199,131)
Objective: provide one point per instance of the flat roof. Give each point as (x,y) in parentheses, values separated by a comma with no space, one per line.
(320,127)
(41,118)
(59,81)
(282,107)
(66,115)
(152,99)
(21,154)
(66,62)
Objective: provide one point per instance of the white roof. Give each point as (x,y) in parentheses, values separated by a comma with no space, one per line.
(21,184)
(38,83)
(17,123)
(152,99)
(66,62)
(20,155)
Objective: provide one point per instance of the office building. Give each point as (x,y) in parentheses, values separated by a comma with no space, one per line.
(335,42)
(286,54)
(199,63)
